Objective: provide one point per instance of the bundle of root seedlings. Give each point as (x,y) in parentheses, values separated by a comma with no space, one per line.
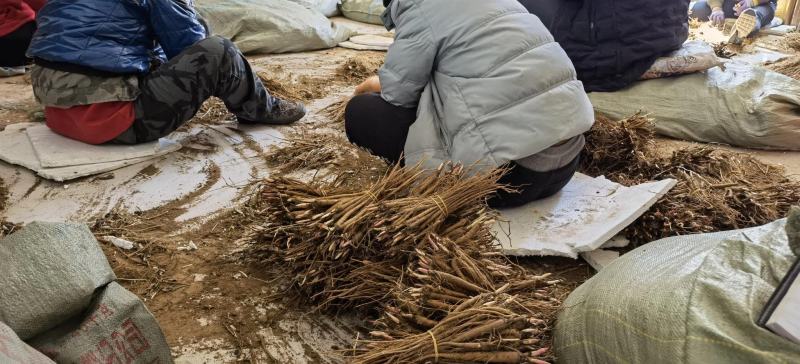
(788,66)
(415,251)
(716,190)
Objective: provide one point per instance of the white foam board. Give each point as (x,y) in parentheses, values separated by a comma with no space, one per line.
(582,217)
(600,258)
(56,151)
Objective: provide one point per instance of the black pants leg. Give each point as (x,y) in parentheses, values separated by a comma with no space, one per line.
(14,45)
(374,124)
(171,95)
(532,185)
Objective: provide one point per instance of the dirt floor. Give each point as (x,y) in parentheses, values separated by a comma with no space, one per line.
(183,211)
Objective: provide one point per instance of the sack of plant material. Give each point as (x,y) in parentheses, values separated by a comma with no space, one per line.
(365,11)
(694,56)
(685,299)
(328,8)
(742,105)
(50,272)
(276,26)
(57,293)
(117,328)
(15,351)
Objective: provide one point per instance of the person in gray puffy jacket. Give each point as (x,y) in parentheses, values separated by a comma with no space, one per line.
(484,85)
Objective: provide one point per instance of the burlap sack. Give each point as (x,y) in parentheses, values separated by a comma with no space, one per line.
(15,351)
(117,328)
(686,299)
(50,272)
(275,26)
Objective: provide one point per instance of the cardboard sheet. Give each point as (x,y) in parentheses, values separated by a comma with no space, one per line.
(584,216)
(56,151)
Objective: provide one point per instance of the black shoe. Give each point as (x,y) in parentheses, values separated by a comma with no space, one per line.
(286,112)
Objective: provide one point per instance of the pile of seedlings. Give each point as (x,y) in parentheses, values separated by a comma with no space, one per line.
(360,67)
(329,155)
(414,251)
(305,88)
(716,190)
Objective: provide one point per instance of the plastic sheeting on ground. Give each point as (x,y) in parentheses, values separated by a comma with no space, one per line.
(741,105)
(687,299)
(59,295)
(276,26)
(365,11)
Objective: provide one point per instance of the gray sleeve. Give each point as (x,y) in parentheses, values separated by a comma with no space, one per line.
(410,60)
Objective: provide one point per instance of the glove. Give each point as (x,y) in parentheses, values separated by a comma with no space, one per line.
(717,16)
(743,5)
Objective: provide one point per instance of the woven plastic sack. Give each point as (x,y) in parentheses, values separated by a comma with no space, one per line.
(15,351)
(117,328)
(694,56)
(328,8)
(365,11)
(50,272)
(275,26)
(741,105)
(687,299)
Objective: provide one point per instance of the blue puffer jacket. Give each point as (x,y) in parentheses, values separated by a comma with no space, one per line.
(119,36)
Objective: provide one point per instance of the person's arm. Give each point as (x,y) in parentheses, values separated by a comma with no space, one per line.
(410,59)
(175,25)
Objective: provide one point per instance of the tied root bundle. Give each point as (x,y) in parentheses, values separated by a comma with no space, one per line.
(415,250)
(716,190)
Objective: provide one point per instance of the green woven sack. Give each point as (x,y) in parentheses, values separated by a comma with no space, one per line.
(365,11)
(688,299)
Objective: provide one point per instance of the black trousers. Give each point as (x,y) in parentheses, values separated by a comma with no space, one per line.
(14,45)
(374,124)
(172,94)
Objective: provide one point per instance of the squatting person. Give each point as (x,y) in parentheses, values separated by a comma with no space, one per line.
(485,84)
(751,15)
(128,72)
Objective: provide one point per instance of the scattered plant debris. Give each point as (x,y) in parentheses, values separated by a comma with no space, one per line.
(716,190)
(788,66)
(330,155)
(360,67)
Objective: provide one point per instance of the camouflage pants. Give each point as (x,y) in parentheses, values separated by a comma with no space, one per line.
(172,94)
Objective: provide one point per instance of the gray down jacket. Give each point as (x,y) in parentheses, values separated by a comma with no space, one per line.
(490,83)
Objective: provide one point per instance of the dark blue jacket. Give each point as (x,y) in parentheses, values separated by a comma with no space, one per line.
(613,42)
(118,36)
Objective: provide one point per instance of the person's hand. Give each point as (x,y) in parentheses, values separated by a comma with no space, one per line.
(372,84)
(742,6)
(717,16)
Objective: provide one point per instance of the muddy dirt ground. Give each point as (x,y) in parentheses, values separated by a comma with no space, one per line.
(184,211)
